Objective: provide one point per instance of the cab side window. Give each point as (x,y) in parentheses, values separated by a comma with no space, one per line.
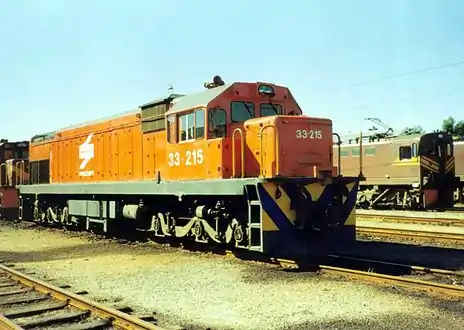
(414,150)
(405,152)
(199,124)
(217,123)
(192,125)
(171,129)
(449,149)
(186,127)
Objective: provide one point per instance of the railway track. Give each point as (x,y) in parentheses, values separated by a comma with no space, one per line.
(444,281)
(411,234)
(441,281)
(29,303)
(410,219)
(411,225)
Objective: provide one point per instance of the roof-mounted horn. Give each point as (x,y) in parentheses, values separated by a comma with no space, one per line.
(217,81)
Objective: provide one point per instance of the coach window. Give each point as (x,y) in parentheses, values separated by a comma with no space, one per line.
(171,131)
(370,151)
(405,152)
(449,149)
(242,111)
(199,124)
(217,122)
(270,109)
(187,126)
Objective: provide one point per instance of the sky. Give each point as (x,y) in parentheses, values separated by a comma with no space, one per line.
(66,62)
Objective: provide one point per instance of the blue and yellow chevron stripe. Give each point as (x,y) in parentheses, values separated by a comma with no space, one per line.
(429,164)
(279,201)
(449,165)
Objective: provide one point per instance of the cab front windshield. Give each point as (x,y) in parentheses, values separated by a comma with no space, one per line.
(436,145)
(242,111)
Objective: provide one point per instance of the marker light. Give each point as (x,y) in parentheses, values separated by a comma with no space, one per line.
(266,89)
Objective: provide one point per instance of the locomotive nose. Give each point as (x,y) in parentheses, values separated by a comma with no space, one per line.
(323,210)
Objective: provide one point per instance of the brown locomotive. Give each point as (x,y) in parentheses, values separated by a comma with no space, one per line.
(459,156)
(406,171)
(13,170)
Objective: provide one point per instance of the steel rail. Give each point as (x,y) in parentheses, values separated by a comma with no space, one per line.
(116,317)
(412,233)
(450,290)
(412,219)
(426,270)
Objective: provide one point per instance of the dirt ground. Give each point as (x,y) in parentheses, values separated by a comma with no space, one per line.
(199,290)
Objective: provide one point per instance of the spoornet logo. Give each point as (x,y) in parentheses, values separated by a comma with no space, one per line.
(86,153)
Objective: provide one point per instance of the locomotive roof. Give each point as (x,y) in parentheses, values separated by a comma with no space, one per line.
(180,102)
(100,120)
(391,139)
(43,136)
(196,99)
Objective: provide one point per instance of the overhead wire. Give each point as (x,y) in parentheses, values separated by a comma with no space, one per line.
(399,75)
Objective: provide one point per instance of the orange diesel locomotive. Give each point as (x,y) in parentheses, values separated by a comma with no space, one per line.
(234,164)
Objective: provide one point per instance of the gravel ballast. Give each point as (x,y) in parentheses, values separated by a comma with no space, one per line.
(203,290)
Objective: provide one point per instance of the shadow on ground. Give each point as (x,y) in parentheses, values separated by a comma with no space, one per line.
(393,322)
(427,256)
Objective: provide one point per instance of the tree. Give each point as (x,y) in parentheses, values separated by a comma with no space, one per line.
(452,127)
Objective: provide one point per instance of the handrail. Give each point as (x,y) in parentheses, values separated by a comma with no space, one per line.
(1,173)
(361,175)
(339,144)
(261,148)
(242,153)
(20,172)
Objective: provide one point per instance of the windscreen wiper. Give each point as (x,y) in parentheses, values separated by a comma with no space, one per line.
(275,109)
(248,109)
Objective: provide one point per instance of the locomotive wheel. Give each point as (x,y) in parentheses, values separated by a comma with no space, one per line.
(36,215)
(238,234)
(43,217)
(48,216)
(156,223)
(65,216)
(198,229)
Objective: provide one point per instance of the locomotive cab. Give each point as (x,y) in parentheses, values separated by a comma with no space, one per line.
(437,169)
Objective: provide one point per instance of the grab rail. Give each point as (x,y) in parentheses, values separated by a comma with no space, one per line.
(3,165)
(361,175)
(242,153)
(276,147)
(20,170)
(339,144)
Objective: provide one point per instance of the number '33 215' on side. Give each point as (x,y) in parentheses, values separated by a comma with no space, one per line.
(188,158)
(309,134)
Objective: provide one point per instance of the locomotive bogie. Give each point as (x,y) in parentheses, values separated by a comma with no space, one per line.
(294,218)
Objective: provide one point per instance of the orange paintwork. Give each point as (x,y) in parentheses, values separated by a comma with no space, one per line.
(117,147)
(121,151)
(292,146)
(39,151)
